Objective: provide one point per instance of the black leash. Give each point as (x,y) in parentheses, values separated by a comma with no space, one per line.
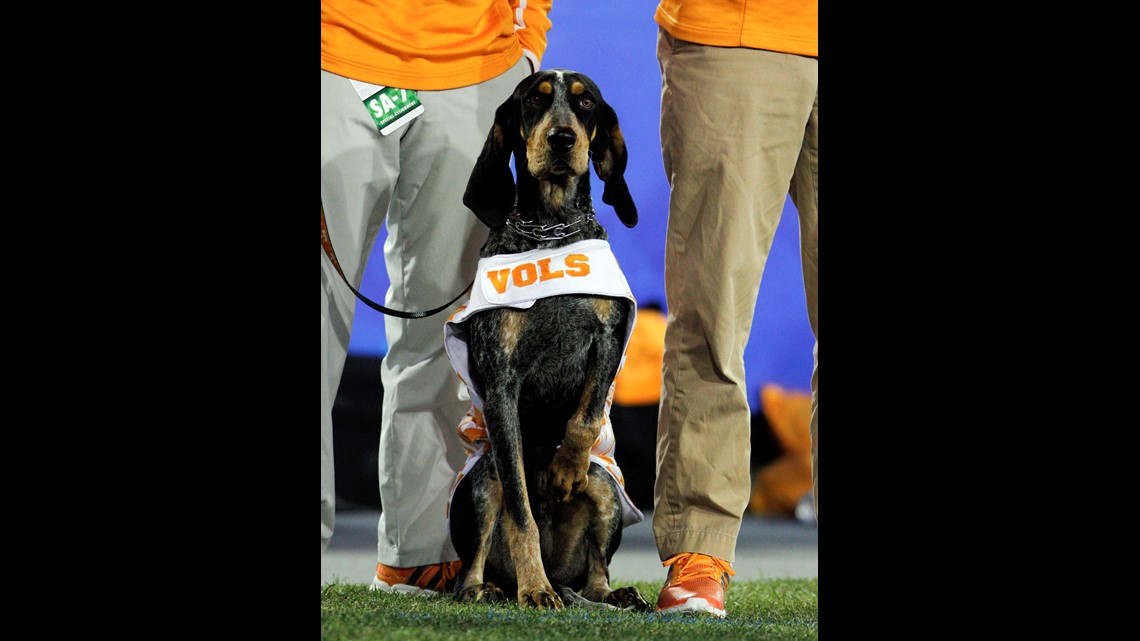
(327,245)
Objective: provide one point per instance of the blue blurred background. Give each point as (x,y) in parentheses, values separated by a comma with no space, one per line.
(615,43)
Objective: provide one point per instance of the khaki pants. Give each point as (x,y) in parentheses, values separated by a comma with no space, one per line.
(738,134)
(412,181)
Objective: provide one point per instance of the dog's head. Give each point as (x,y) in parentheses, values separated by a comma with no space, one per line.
(556,124)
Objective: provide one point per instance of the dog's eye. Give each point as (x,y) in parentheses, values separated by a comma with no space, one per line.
(586,103)
(534,100)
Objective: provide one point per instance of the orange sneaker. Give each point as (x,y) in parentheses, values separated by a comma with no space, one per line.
(696,584)
(424,580)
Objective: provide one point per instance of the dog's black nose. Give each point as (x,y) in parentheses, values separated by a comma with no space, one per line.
(561,140)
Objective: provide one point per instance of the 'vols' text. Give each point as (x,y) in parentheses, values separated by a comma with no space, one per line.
(524,274)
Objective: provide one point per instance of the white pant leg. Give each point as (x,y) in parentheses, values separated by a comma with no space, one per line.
(333,353)
(432,249)
(358,171)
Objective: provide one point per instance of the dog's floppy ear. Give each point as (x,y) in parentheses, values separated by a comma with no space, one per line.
(491,188)
(609,156)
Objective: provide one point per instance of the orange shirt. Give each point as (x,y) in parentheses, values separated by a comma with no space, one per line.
(788,26)
(430,44)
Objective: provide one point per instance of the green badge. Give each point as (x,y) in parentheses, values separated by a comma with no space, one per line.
(390,107)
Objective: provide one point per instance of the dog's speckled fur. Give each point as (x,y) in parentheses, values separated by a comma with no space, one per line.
(534,518)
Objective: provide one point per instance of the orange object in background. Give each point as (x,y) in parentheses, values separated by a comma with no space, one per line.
(779,485)
(639,381)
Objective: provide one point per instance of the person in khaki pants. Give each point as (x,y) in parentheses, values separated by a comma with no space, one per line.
(739,113)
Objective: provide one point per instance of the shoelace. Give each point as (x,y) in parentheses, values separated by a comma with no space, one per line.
(687,566)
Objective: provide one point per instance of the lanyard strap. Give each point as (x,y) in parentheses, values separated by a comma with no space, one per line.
(327,245)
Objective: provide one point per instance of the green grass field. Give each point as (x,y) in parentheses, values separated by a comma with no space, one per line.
(765,609)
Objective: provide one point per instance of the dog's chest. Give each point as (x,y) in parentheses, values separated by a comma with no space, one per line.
(550,342)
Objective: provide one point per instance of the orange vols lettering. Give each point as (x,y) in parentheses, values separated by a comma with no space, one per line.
(544,270)
(525,274)
(579,264)
(499,279)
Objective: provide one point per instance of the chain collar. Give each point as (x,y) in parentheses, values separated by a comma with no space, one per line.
(555,231)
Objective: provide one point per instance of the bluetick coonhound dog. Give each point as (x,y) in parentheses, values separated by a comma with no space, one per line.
(539,516)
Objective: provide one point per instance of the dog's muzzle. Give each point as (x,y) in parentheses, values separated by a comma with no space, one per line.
(561,153)
(561,140)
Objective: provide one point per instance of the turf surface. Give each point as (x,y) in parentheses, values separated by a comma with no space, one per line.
(765,609)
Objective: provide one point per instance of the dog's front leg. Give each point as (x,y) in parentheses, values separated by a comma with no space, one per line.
(521,531)
(571,462)
(568,470)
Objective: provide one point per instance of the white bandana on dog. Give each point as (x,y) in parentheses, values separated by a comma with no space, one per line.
(518,280)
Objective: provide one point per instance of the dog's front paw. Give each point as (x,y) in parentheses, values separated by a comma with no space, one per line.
(481,593)
(541,597)
(568,474)
(627,598)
